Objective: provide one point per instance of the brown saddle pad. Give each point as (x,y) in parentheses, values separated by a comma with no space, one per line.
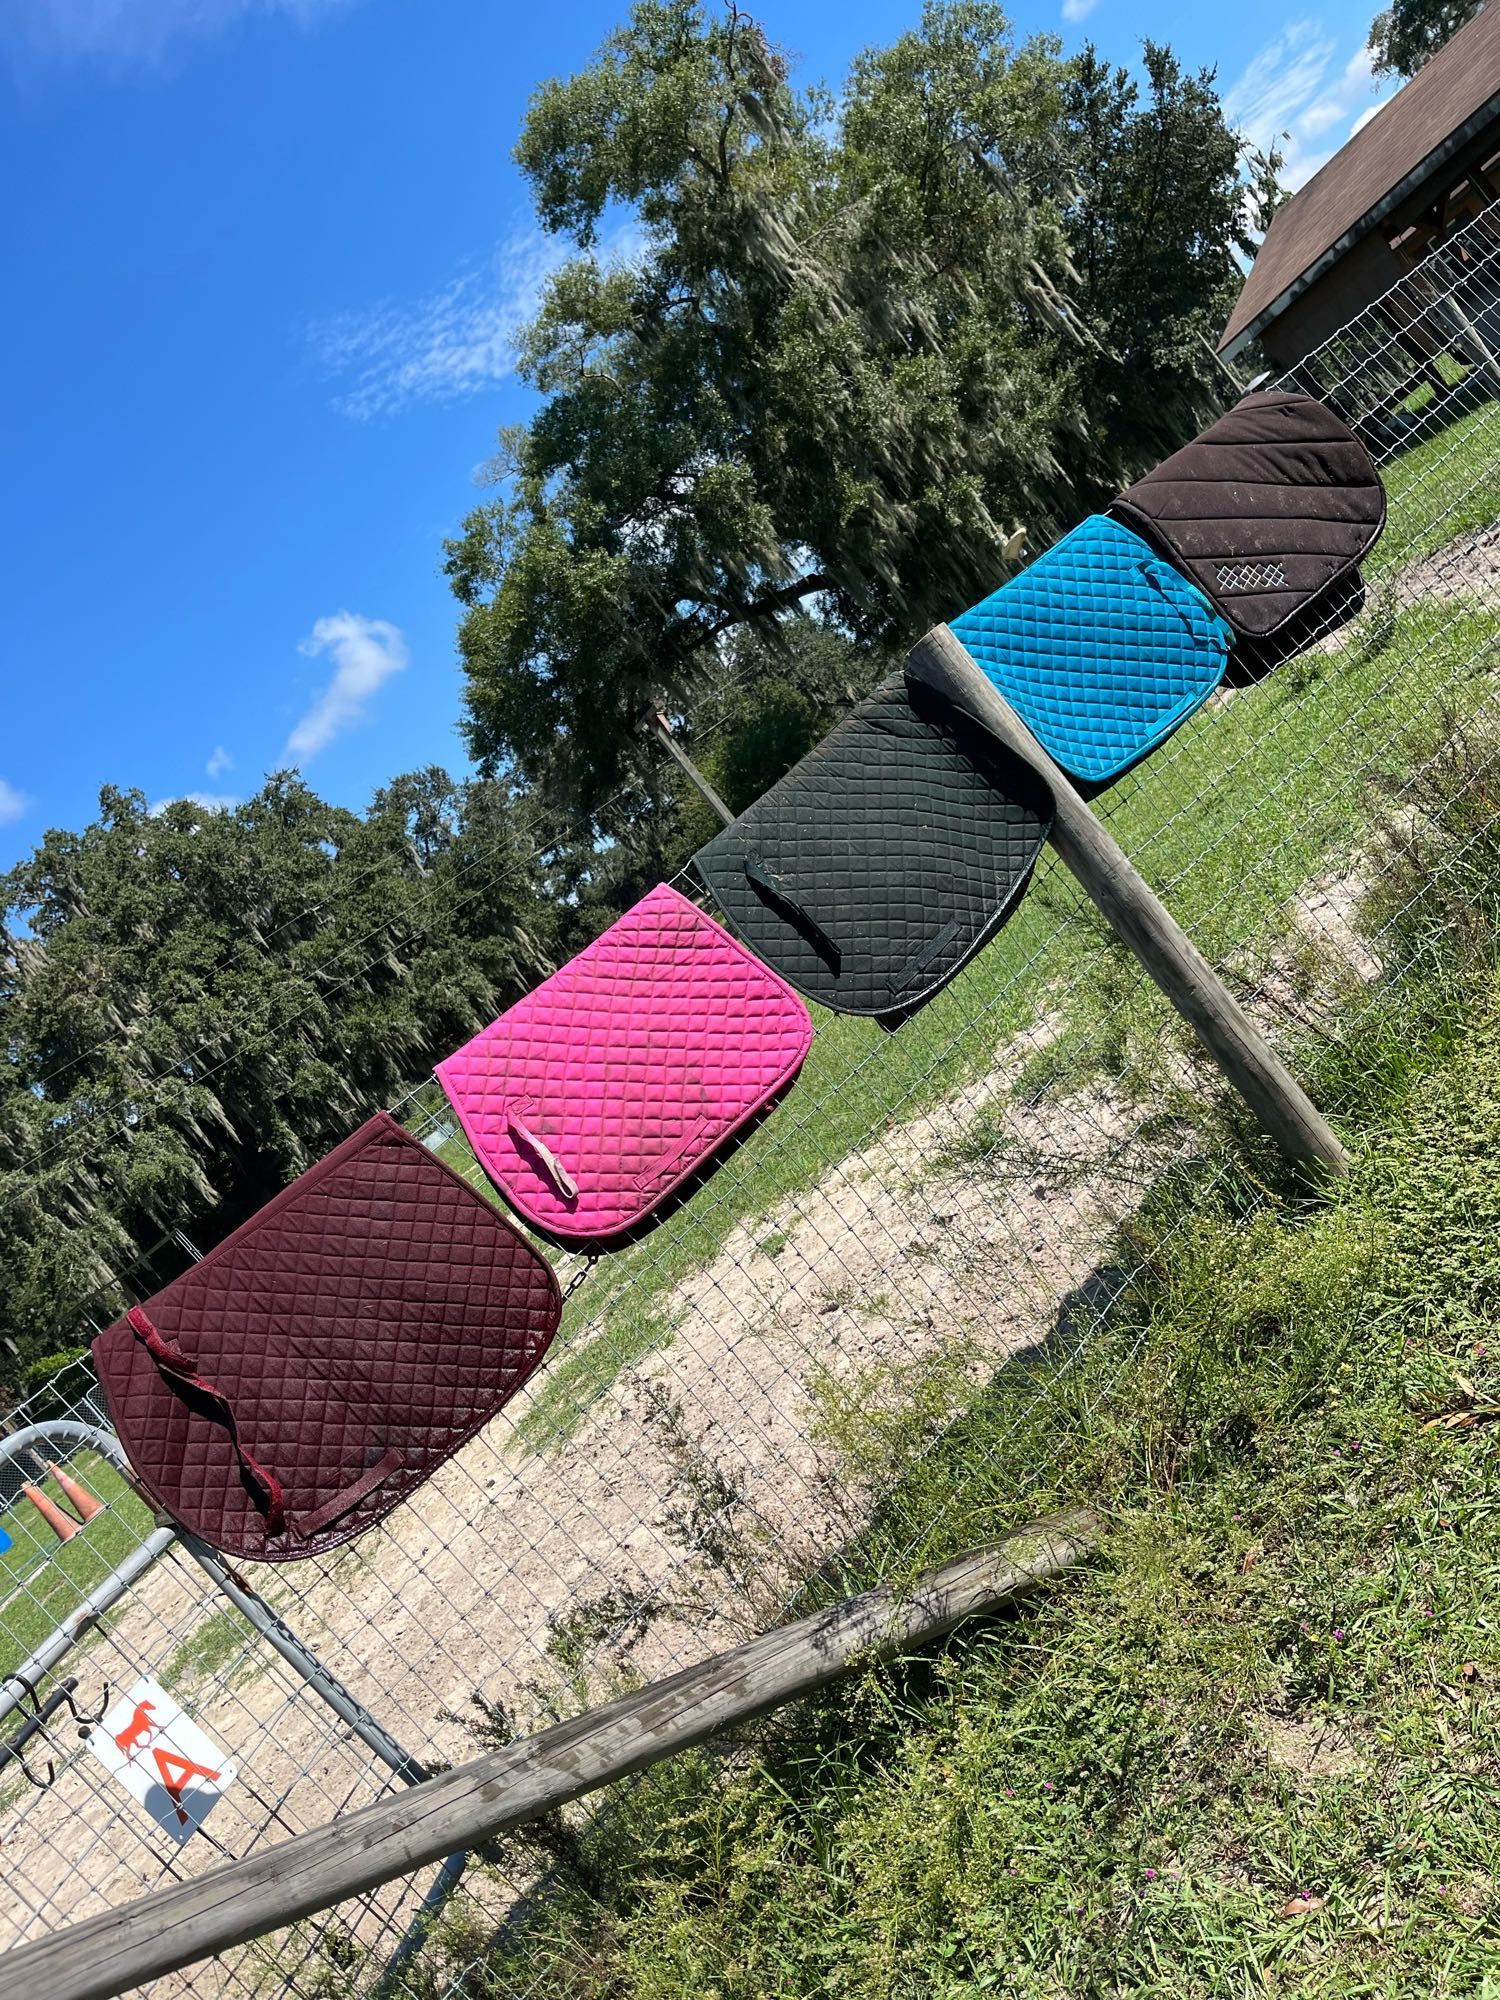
(324,1360)
(1265,511)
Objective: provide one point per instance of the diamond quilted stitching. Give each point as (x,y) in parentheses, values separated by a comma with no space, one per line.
(906,836)
(378,1308)
(631,1066)
(1101,648)
(1265,511)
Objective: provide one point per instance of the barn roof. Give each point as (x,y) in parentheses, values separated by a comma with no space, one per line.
(1446,104)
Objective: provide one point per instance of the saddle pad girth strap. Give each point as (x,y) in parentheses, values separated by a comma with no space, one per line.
(172,1361)
(561,1179)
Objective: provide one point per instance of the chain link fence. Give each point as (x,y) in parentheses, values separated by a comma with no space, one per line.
(752,1405)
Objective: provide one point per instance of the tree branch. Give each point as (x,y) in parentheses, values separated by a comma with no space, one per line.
(761,607)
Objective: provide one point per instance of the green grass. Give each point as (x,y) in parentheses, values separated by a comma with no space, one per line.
(213,1642)
(1255,1749)
(68,1571)
(1439,488)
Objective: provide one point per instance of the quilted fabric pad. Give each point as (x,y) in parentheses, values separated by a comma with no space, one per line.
(324,1360)
(1101,647)
(881,863)
(1268,508)
(590,1101)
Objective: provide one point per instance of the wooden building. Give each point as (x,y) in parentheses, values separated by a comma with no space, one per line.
(1425,164)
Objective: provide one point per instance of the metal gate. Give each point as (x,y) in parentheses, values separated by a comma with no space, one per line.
(96,1596)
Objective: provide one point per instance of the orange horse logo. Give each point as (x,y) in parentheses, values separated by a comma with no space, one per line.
(137,1731)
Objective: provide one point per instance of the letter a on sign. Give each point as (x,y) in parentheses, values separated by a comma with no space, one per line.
(162,1758)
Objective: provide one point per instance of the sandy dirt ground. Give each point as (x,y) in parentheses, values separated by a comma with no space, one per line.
(1468,566)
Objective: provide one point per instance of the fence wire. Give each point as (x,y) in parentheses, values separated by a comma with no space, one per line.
(928,1214)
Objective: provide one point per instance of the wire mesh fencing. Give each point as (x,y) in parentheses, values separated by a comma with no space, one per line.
(740,1406)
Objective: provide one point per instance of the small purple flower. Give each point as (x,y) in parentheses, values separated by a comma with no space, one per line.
(1150,1874)
(1336,1452)
(1046,1784)
(1338,1631)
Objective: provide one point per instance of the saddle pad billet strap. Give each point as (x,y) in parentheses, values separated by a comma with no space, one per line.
(761,875)
(661,1171)
(172,1361)
(928,955)
(344,1502)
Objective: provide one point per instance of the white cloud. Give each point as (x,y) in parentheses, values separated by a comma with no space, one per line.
(455,341)
(13,804)
(218,802)
(365,653)
(451,343)
(1078,10)
(126,33)
(1295,95)
(219,763)
(1278,83)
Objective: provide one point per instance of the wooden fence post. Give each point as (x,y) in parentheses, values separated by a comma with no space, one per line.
(1141,920)
(662,730)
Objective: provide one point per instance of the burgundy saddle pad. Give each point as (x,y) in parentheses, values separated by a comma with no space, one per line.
(1265,512)
(319,1364)
(592,1100)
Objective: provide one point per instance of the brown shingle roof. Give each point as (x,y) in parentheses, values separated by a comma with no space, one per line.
(1447,99)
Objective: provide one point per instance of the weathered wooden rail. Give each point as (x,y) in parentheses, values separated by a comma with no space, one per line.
(191,1921)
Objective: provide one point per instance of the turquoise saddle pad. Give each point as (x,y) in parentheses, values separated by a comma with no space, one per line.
(1101,647)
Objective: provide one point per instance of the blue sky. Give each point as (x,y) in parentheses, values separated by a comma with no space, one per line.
(264,261)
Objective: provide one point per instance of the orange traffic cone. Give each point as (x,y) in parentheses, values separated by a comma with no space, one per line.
(56,1519)
(83,1503)
(44,1466)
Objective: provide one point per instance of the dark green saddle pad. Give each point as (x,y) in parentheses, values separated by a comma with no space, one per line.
(878,866)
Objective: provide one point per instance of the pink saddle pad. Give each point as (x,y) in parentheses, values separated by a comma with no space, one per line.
(590,1101)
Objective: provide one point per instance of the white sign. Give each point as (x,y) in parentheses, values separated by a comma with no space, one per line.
(162,1758)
